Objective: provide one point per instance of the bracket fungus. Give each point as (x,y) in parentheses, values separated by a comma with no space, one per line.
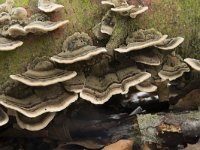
(42,72)
(77,47)
(19,13)
(16,30)
(99,89)
(52,98)
(43,27)
(147,57)
(9,45)
(119,5)
(193,63)
(3,117)
(4,17)
(173,68)
(134,11)
(107,23)
(48,6)
(170,44)
(146,86)
(142,39)
(34,124)
(137,10)
(114,3)
(75,84)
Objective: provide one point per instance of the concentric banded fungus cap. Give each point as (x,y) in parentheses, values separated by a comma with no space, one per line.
(147,57)
(16,30)
(76,84)
(76,48)
(172,73)
(146,86)
(107,23)
(114,3)
(34,124)
(142,39)
(119,5)
(43,27)
(19,13)
(9,45)
(4,17)
(42,72)
(193,63)
(99,89)
(3,117)
(137,10)
(48,6)
(170,44)
(43,99)
(122,8)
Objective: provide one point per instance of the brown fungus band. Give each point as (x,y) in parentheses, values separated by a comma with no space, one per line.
(77,47)
(49,6)
(43,99)
(142,39)
(42,72)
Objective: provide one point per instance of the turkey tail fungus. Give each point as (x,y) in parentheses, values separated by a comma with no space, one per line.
(105,79)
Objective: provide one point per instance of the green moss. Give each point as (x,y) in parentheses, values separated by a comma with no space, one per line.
(174,18)
(120,32)
(83,15)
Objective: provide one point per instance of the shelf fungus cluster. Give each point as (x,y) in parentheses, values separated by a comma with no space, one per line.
(103,80)
(42,96)
(15,22)
(108,23)
(146,61)
(123,8)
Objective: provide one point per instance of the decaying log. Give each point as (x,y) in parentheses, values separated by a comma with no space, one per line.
(165,128)
(169,129)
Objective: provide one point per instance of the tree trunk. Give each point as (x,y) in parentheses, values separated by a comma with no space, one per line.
(175,18)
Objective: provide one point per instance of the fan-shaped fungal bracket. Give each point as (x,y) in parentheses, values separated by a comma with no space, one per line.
(142,39)
(3,117)
(43,99)
(76,48)
(42,72)
(49,6)
(173,68)
(170,44)
(193,63)
(34,124)
(9,45)
(99,89)
(43,27)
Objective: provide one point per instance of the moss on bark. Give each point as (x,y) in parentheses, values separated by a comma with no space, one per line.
(175,18)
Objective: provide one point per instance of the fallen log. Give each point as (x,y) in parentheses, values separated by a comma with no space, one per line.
(169,129)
